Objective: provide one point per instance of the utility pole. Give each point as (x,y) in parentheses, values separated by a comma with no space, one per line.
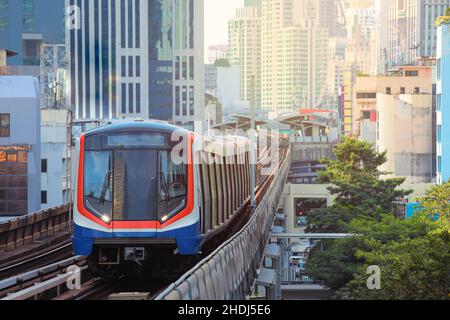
(253,142)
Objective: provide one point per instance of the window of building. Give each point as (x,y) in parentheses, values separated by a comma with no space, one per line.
(4,4)
(365,115)
(416,90)
(138,66)
(43,197)
(402,90)
(439,164)
(439,133)
(366,95)
(138,98)
(28,23)
(411,73)
(123,66)
(191,68)
(4,23)
(177,101)
(44,165)
(388,90)
(5,125)
(191,101)
(27,5)
(13,180)
(130,66)
(438,68)
(438,102)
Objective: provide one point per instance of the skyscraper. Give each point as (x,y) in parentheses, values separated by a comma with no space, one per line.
(294,55)
(138,58)
(244,34)
(25,25)
(412,33)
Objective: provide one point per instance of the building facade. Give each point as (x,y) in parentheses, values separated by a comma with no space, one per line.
(55,163)
(20,149)
(294,55)
(26,25)
(244,38)
(443,103)
(137,59)
(412,32)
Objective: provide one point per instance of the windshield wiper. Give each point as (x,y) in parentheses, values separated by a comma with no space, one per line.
(165,188)
(105,187)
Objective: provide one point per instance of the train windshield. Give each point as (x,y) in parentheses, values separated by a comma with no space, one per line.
(134,184)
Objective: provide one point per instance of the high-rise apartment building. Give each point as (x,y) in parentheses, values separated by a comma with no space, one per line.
(245,51)
(412,33)
(25,25)
(361,47)
(138,58)
(294,55)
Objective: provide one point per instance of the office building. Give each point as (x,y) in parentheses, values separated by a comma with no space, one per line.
(138,59)
(294,56)
(25,25)
(244,34)
(55,163)
(20,146)
(412,32)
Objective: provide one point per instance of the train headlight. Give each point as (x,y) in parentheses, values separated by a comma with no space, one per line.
(164,219)
(106,219)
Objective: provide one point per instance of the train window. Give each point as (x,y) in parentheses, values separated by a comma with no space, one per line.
(230,186)
(248,173)
(206,192)
(203,204)
(219,189)
(225,190)
(135,185)
(172,186)
(213,189)
(235,182)
(98,184)
(135,140)
(239,180)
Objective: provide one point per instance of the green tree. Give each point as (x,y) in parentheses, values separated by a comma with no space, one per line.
(437,202)
(411,269)
(356,182)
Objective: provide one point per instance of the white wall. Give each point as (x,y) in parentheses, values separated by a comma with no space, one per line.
(228,86)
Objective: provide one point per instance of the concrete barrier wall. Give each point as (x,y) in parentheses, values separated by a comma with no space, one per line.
(32,227)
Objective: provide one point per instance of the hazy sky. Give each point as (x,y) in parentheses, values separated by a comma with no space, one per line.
(217,13)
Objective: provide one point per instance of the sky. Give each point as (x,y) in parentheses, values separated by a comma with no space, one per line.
(217,14)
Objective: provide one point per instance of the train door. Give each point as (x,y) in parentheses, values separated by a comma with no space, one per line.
(135,192)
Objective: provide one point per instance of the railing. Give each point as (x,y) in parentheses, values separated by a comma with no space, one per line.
(33,227)
(230,271)
(296,276)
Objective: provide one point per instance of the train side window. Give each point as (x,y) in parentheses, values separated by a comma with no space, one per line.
(239,181)
(233,183)
(235,186)
(225,190)
(206,189)
(248,173)
(219,190)
(202,203)
(213,185)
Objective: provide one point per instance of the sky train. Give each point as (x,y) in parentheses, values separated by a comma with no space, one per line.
(146,191)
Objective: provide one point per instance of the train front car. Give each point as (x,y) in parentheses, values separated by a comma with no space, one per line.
(135,197)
